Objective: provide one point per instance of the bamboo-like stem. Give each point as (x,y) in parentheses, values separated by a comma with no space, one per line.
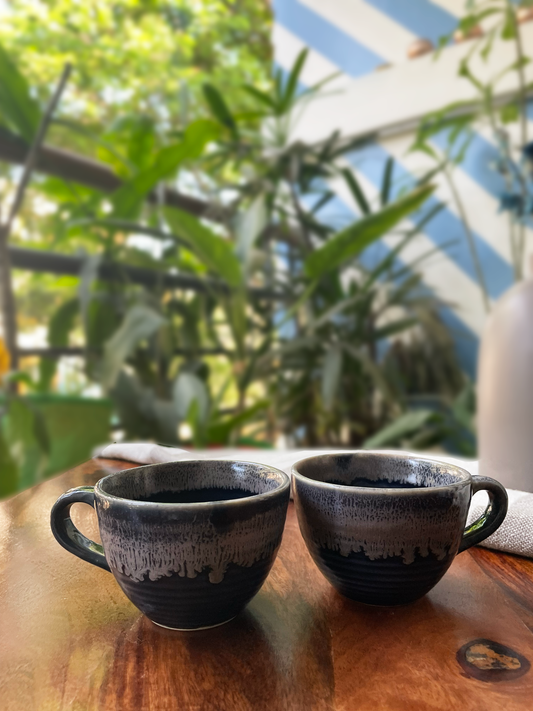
(522,91)
(470,238)
(522,98)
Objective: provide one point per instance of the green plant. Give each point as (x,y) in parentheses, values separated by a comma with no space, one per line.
(458,119)
(428,424)
(218,359)
(327,379)
(24,444)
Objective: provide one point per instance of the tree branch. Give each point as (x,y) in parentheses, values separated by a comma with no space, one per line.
(8,298)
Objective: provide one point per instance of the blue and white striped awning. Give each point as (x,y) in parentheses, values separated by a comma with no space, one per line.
(358,38)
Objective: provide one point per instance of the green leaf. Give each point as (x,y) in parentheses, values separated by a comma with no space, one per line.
(219,108)
(334,310)
(212,249)
(395,327)
(464,407)
(466,72)
(235,308)
(315,88)
(509,25)
(40,431)
(128,198)
(9,473)
(141,139)
(513,67)
(386,183)
(326,197)
(249,225)
(291,86)
(353,239)
(220,431)
(428,150)
(356,190)
(487,47)
(405,425)
(59,328)
(142,414)
(188,388)
(62,322)
(278,89)
(18,108)
(331,373)
(260,96)
(88,276)
(28,441)
(445,119)
(140,323)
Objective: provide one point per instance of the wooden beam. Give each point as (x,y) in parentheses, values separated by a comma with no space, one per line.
(60,351)
(85,171)
(40,261)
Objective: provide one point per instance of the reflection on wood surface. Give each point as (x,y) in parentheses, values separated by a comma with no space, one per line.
(69,639)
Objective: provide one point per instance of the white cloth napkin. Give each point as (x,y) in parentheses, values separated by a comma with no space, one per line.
(515,535)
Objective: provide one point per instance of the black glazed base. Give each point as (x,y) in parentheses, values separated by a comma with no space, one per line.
(384,581)
(195,603)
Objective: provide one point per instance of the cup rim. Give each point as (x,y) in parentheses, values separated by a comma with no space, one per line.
(197,505)
(464,476)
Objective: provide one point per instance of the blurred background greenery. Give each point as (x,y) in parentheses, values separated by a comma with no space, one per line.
(207,300)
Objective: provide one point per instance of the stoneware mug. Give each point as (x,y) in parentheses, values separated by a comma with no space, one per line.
(383,527)
(189,542)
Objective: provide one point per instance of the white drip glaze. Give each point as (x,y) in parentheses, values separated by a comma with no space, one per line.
(187,548)
(382,527)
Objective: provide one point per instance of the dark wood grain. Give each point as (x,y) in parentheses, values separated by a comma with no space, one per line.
(70,640)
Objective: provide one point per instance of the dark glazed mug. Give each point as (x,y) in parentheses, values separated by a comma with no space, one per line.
(189,542)
(383,528)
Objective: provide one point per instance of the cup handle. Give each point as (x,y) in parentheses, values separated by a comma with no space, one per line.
(66,533)
(493,516)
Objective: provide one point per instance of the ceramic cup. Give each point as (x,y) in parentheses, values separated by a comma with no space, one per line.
(383,528)
(189,542)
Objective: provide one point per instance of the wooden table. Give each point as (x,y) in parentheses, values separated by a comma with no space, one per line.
(70,640)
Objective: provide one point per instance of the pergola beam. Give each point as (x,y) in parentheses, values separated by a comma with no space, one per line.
(64,264)
(93,174)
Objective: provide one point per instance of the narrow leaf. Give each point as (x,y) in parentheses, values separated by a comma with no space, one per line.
(260,96)
(393,328)
(356,191)
(407,424)
(188,388)
(220,431)
(386,183)
(212,249)
(18,108)
(59,328)
(292,82)
(352,240)
(128,198)
(249,225)
(140,323)
(509,25)
(219,108)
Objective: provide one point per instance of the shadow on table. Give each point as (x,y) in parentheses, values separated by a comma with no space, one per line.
(252,662)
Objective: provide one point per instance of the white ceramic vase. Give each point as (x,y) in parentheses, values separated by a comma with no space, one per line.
(505,390)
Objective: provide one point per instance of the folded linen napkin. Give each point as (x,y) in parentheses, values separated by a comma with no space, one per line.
(515,535)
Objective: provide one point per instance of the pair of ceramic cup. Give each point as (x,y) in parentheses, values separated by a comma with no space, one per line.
(191,542)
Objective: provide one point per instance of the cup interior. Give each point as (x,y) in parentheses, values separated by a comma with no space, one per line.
(194,481)
(380,470)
